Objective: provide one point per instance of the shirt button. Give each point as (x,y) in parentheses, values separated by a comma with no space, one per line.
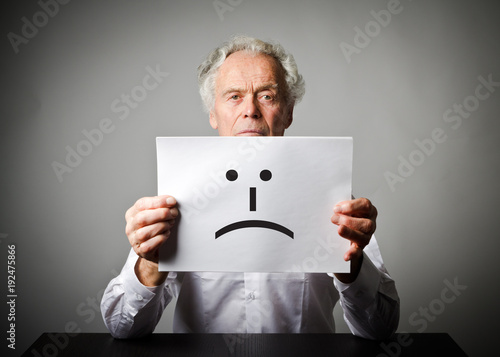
(139,297)
(128,318)
(251,296)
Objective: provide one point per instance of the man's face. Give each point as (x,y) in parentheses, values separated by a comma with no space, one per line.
(250,97)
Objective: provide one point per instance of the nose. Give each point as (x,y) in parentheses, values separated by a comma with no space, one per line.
(251,109)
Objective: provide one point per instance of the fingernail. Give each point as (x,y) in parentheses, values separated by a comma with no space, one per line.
(337,209)
(170,201)
(335,219)
(174,212)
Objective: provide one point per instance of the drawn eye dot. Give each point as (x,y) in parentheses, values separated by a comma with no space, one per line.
(265,175)
(231,175)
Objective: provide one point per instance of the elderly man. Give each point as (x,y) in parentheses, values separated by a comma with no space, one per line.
(249,88)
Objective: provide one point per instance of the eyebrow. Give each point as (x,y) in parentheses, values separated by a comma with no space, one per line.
(258,89)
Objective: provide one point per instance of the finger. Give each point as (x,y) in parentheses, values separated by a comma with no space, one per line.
(353,251)
(152,216)
(149,217)
(145,233)
(363,225)
(148,203)
(150,247)
(360,207)
(358,238)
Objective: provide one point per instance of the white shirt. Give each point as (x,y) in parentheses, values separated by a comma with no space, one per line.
(255,302)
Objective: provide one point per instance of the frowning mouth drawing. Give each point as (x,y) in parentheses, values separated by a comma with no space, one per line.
(265,175)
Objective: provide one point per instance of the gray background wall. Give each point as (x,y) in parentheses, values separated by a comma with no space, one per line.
(438,225)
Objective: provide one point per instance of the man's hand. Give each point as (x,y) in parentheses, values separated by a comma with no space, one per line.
(356,220)
(149,222)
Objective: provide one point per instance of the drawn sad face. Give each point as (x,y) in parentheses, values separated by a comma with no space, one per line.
(265,175)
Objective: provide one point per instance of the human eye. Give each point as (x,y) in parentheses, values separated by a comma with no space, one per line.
(232,96)
(267,97)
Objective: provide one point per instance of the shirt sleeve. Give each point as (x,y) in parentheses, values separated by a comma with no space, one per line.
(371,302)
(129,308)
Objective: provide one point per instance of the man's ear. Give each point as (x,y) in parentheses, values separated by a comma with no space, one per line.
(213,121)
(289,117)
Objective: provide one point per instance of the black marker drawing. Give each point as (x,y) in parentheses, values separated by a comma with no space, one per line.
(265,175)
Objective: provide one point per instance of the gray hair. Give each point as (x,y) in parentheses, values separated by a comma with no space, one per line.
(207,71)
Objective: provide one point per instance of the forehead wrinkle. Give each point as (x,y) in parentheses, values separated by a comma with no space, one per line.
(242,72)
(259,88)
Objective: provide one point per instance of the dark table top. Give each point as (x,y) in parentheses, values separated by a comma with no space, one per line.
(280,345)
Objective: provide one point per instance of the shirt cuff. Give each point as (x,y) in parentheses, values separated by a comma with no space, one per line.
(364,289)
(140,293)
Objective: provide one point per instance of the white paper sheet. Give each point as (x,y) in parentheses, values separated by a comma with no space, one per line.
(274,217)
